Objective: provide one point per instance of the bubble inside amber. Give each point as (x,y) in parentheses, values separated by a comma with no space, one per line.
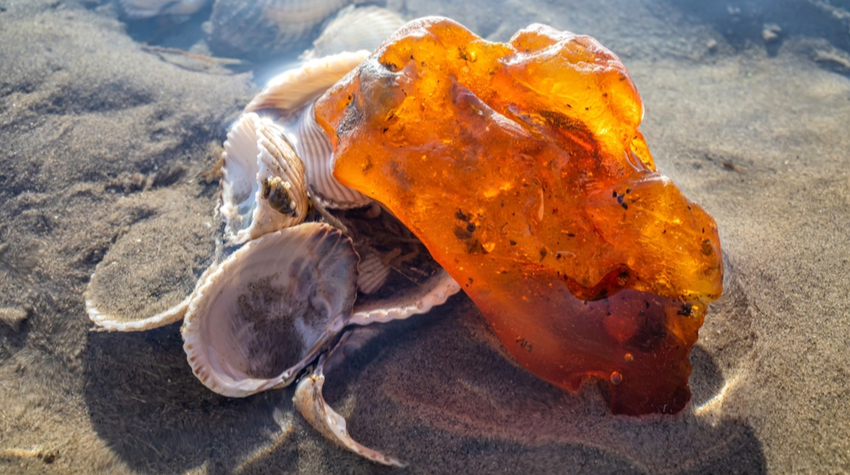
(520,167)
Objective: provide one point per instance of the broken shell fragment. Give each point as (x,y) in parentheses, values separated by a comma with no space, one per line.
(354,29)
(290,91)
(262,185)
(145,279)
(310,403)
(270,308)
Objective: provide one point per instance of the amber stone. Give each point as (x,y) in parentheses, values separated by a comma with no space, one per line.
(520,167)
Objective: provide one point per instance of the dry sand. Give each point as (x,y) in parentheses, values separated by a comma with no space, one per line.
(97,133)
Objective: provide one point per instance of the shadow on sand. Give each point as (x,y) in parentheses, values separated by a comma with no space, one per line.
(436,391)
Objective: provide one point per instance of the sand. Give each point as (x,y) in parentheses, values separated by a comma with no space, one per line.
(97,133)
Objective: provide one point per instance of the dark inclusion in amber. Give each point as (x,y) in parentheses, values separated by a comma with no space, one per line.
(521,168)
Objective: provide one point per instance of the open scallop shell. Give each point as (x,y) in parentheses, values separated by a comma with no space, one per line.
(270,308)
(146,278)
(354,29)
(138,9)
(288,92)
(259,28)
(262,186)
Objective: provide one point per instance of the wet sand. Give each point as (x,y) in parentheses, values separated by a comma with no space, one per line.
(98,133)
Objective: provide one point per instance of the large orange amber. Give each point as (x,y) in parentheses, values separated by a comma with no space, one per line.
(521,168)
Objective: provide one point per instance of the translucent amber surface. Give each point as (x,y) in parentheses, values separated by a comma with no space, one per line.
(520,167)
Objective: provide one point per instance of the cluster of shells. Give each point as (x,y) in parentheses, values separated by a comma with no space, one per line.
(302,264)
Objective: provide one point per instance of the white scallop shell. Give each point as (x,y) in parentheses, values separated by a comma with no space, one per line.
(315,150)
(288,92)
(137,9)
(270,308)
(255,151)
(354,29)
(145,279)
(260,28)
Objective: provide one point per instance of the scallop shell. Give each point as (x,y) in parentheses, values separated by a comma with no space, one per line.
(288,92)
(146,278)
(286,95)
(417,300)
(270,308)
(315,150)
(373,272)
(387,248)
(262,185)
(260,28)
(138,9)
(354,29)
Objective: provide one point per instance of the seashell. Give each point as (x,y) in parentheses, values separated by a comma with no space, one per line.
(354,29)
(397,274)
(146,278)
(288,92)
(314,148)
(309,401)
(413,301)
(270,308)
(262,185)
(260,28)
(138,9)
(373,272)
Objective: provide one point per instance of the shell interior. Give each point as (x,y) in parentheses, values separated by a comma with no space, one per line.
(258,164)
(270,308)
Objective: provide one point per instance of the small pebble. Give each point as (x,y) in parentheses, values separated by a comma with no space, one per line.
(13,316)
(770,32)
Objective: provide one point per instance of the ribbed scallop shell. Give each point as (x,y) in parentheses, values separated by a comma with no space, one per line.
(255,154)
(288,92)
(137,9)
(270,308)
(315,150)
(373,272)
(259,28)
(353,29)
(417,300)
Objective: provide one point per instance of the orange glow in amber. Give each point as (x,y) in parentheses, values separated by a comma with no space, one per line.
(520,167)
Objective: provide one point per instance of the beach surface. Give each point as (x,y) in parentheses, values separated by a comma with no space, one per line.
(106,143)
